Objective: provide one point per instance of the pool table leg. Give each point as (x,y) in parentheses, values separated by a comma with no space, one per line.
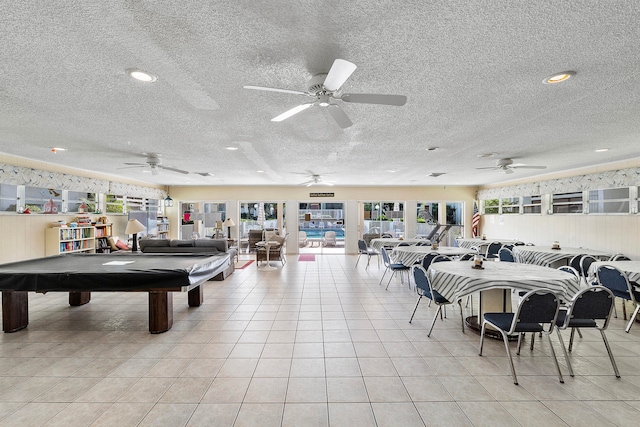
(15,310)
(196,296)
(160,311)
(79,298)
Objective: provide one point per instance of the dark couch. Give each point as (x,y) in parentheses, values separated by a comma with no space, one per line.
(204,245)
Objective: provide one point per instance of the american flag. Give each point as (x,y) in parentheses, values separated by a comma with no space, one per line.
(475,222)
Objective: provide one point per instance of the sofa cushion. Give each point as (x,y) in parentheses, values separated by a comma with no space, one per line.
(218,244)
(182,243)
(154,243)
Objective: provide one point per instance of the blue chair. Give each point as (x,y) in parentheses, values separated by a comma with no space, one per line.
(394,267)
(426,260)
(616,281)
(364,250)
(492,250)
(589,308)
(424,289)
(537,312)
(505,255)
(585,263)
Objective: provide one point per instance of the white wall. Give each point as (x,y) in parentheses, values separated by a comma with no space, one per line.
(611,233)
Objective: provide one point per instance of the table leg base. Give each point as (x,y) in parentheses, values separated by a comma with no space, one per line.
(15,310)
(471,323)
(160,312)
(195,296)
(79,298)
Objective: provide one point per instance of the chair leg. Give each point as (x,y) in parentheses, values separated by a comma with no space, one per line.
(414,310)
(573,330)
(533,340)
(368,261)
(358,260)
(520,335)
(613,362)
(555,359)
(482,337)
(393,273)
(433,322)
(564,350)
(383,274)
(461,315)
(624,310)
(506,344)
(633,318)
(615,310)
(579,333)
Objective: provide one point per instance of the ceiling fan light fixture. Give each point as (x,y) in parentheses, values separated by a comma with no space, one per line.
(140,75)
(559,77)
(231,148)
(601,150)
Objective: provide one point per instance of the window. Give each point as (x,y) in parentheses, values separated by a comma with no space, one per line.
(134,204)
(75,199)
(510,205)
(491,206)
(114,204)
(607,201)
(43,200)
(384,217)
(8,198)
(567,203)
(532,204)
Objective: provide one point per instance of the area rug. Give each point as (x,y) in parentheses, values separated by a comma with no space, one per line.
(243,264)
(307,257)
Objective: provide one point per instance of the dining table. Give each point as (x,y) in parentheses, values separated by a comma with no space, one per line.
(630,268)
(381,242)
(550,257)
(494,282)
(482,244)
(409,255)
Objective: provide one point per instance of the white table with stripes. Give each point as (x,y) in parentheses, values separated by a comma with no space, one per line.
(408,255)
(379,243)
(546,256)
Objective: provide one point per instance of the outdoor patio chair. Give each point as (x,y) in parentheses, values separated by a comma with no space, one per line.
(302,238)
(329,238)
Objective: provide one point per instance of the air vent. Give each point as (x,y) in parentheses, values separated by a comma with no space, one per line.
(435,174)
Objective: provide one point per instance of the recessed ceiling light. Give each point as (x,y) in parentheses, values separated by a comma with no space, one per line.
(559,77)
(601,150)
(230,148)
(54,150)
(140,75)
(487,155)
(260,171)
(391,171)
(432,148)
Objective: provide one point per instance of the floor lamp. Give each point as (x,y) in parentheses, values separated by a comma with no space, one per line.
(229,223)
(134,227)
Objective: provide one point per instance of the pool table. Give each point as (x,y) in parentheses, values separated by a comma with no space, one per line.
(80,274)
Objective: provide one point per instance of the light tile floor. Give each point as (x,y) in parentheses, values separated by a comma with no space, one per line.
(312,344)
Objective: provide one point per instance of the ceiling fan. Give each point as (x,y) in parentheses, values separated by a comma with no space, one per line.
(326,87)
(507,166)
(316,180)
(153,162)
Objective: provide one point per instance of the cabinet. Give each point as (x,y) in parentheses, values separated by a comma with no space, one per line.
(60,240)
(163,227)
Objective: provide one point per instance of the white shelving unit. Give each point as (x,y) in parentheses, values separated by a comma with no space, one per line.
(163,227)
(63,240)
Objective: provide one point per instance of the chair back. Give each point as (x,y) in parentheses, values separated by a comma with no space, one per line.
(537,306)
(507,246)
(426,261)
(403,244)
(421,279)
(519,244)
(441,258)
(569,269)
(592,303)
(492,250)
(505,255)
(619,257)
(585,263)
(385,257)
(575,262)
(466,257)
(362,246)
(615,280)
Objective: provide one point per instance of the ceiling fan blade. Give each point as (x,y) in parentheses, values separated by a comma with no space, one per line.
(340,71)
(339,116)
(273,89)
(528,167)
(489,167)
(291,112)
(135,164)
(507,170)
(329,184)
(169,168)
(370,98)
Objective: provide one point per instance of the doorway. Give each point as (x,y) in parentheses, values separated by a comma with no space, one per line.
(321,227)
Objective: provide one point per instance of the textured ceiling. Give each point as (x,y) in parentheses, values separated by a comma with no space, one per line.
(472,72)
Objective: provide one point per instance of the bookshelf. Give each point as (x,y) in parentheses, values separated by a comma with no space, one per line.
(59,240)
(103,231)
(163,227)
